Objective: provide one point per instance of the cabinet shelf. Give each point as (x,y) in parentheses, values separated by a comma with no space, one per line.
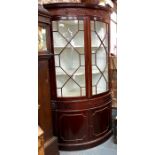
(68,47)
(61,47)
(73,93)
(80,72)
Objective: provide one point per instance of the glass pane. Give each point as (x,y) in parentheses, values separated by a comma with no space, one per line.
(55,26)
(105,42)
(71,89)
(70,56)
(96,75)
(59,92)
(69,60)
(59,42)
(114,16)
(78,40)
(92,26)
(81,25)
(101,58)
(62,77)
(82,60)
(99,38)
(57,60)
(83,91)
(113,38)
(80,50)
(68,28)
(101,86)
(79,76)
(95,40)
(94,90)
(106,73)
(94,49)
(42,46)
(100,28)
(93,59)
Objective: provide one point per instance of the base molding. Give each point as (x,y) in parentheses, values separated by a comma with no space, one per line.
(85,145)
(51,146)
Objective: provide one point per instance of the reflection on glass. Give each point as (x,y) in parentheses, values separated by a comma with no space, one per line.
(68,28)
(100,29)
(99,47)
(69,53)
(42,39)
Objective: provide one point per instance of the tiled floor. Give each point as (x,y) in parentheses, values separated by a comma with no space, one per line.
(106,148)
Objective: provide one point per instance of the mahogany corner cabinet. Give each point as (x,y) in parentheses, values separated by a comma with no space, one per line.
(79,74)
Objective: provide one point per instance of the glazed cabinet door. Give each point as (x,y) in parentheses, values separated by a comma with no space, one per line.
(99,56)
(69,53)
(72,57)
(99,115)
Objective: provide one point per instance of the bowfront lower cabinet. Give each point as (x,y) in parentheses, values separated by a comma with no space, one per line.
(80,89)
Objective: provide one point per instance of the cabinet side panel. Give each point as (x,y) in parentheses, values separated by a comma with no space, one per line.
(44,99)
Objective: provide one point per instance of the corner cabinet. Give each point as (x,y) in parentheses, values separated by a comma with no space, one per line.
(80,96)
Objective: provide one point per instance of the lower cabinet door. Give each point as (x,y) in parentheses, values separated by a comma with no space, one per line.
(101,121)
